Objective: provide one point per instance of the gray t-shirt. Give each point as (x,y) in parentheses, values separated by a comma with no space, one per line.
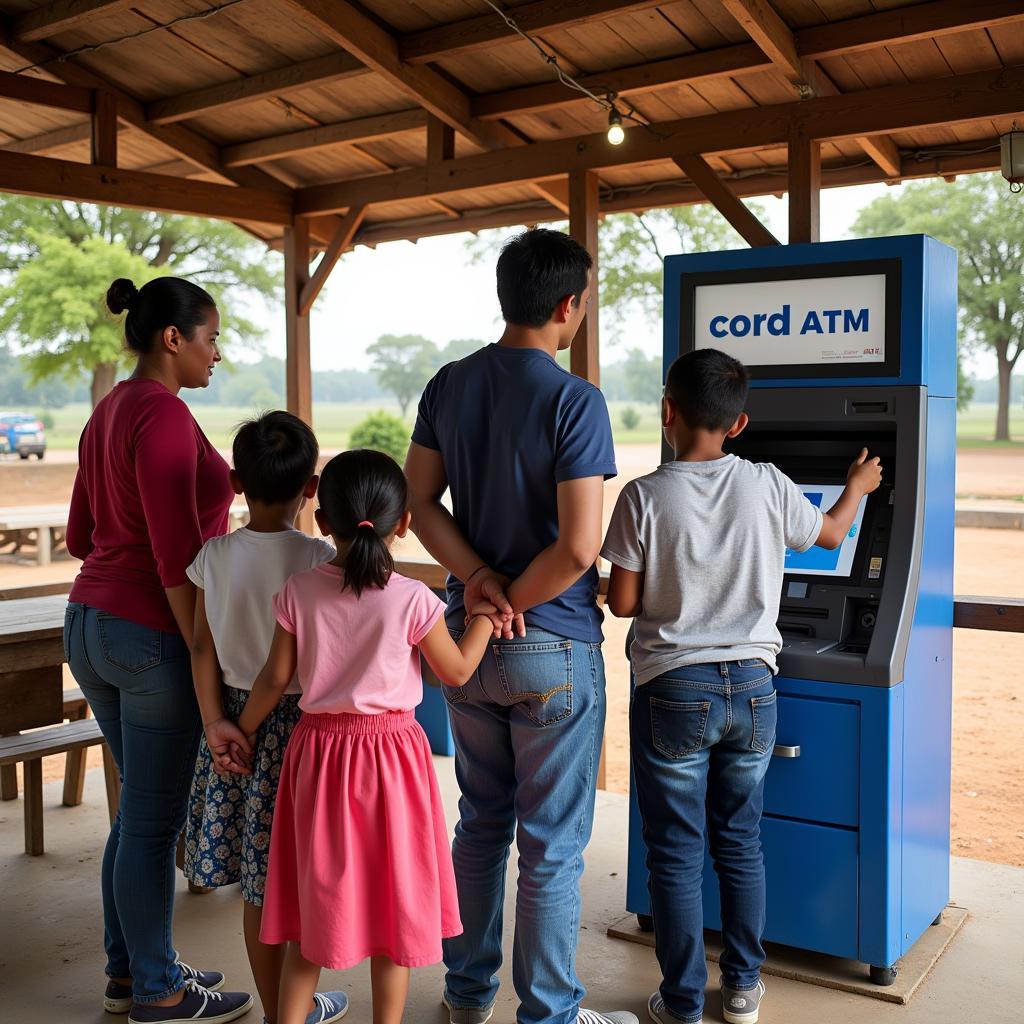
(711,539)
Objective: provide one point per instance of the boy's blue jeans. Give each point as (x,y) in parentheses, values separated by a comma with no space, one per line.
(138,682)
(701,738)
(528,728)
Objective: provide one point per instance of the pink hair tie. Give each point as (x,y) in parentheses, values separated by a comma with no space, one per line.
(365,522)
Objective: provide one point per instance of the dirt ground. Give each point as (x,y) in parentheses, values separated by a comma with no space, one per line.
(988,667)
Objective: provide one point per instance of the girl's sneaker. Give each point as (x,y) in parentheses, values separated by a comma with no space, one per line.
(740,1006)
(118,997)
(328,1007)
(199,1004)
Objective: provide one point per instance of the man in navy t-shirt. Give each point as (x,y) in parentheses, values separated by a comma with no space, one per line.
(524,448)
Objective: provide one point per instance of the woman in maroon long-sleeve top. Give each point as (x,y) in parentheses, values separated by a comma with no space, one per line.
(150,490)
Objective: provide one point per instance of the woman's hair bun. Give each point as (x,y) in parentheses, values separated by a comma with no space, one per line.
(121,295)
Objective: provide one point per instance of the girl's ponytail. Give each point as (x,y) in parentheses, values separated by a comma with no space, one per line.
(363,496)
(368,562)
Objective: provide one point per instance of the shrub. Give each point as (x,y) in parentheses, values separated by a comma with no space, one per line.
(630,418)
(383,433)
(47,420)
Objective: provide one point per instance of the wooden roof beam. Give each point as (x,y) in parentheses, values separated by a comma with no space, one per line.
(343,239)
(775,38)
(905,25)
(39,91)
(63,179)
(718,193)
(378,49)
(675,194)
(47,142)
(868,32)
(348,27)
(359,129)
(62,17)
(972,97)
(334,67)
(763,24)
(488,29)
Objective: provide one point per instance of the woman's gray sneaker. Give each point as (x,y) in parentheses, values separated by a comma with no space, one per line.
(468,1014)
(740,1006)
(118,997)
(199,1004)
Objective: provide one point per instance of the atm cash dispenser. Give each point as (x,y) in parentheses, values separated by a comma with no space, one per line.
(849,344)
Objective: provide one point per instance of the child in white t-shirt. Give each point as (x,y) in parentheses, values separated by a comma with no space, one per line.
(234,789)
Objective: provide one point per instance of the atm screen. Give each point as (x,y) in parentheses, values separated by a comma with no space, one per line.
(817,561)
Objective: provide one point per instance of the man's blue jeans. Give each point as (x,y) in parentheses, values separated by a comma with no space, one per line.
(138,682)
(528,729)
(701,738)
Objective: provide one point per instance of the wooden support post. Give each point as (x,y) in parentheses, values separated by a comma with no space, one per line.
(104,128)
(804,189)
(583,208)
(584,356)
(440,140)
(298,368)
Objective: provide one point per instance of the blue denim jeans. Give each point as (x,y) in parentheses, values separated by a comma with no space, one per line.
(701,738)
(138,682)
(528,728)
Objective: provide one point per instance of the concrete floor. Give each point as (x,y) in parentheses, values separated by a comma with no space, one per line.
(51,960)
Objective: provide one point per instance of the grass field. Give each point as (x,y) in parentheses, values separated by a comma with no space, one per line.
(334,421)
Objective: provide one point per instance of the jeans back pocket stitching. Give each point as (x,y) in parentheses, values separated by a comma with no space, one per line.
(110,657)
(756,703)
(523,697)
(703,706)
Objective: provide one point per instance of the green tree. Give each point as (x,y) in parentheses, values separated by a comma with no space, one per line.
(249,387)
(54,306)
(403,364)
(459,349)
(643,377)
(984,222)
(964,386)
(234,267)
(383,433)
(630,418)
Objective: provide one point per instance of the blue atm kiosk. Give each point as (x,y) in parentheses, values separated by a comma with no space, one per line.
(849,344)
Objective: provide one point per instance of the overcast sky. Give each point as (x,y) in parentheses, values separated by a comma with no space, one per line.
(431,288)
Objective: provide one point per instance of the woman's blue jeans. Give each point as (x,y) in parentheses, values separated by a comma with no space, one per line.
(701,738)
(138,682)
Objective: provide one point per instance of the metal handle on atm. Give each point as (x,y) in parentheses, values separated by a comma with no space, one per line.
(781,750)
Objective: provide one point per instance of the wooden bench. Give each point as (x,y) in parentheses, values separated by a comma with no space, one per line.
(30,748)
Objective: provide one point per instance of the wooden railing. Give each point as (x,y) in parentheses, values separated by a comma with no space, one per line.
(1003,614)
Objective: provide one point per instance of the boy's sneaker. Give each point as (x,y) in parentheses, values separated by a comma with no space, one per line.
(613,1017)
(467,1014)
(199,1004)
(659,1012)
(118,997)
(740,1006)
(327,1008)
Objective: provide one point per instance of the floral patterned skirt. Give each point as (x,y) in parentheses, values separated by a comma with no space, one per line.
(227,834)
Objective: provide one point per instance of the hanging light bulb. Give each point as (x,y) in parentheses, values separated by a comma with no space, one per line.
(616,133)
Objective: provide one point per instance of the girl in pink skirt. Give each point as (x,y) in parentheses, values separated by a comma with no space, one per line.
(360,863)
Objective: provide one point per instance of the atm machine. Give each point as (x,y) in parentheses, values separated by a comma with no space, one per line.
(849,344)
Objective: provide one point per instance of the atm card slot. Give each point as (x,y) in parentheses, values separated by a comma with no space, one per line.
(796,629)
(804,613)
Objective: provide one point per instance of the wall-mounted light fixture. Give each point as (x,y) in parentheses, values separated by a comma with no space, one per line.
(1011,148)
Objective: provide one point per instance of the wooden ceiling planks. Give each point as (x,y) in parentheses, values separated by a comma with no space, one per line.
(262,35)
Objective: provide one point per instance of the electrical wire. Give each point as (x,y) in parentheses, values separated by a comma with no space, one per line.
(93,47)
(606,102)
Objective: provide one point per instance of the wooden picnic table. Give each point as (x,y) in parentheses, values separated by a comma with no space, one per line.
(31,662)
(50,522)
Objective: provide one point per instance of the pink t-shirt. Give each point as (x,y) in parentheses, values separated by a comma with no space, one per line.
(357,655)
